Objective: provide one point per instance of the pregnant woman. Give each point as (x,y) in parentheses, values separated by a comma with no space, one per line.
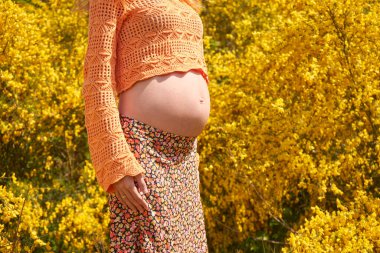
(148,55)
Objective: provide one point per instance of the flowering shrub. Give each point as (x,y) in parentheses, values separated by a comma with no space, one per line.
(41,110)
(49,199)
(54,219)
(295,117)
(289,158)
(353,228)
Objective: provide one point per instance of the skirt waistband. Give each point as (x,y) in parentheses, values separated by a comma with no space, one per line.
(165,142)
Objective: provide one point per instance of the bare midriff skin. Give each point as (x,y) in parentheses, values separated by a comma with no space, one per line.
(177,102)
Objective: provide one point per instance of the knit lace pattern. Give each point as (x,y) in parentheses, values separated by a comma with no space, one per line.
(128,41)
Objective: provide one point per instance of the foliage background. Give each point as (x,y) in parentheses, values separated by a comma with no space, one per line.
(289,158)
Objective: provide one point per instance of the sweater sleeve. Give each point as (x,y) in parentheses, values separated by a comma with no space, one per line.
(109,151)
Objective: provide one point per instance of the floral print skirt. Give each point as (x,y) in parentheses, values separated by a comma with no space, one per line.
(175,219)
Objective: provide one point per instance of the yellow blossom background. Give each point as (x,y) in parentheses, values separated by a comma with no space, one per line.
(289,159)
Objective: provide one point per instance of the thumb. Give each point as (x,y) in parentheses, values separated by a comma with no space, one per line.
(141,183)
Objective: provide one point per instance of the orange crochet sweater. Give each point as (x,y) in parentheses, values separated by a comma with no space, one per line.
(128,41)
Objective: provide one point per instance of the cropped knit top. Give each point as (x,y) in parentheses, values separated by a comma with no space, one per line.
(128,41)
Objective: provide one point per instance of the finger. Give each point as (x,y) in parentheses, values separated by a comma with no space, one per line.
(135,197)
(141,183)
(129,199)
(120,198)
(139,201)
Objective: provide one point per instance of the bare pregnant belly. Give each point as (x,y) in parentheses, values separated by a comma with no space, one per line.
(178,102)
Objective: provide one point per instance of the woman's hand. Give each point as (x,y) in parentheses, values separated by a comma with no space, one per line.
(128,194)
